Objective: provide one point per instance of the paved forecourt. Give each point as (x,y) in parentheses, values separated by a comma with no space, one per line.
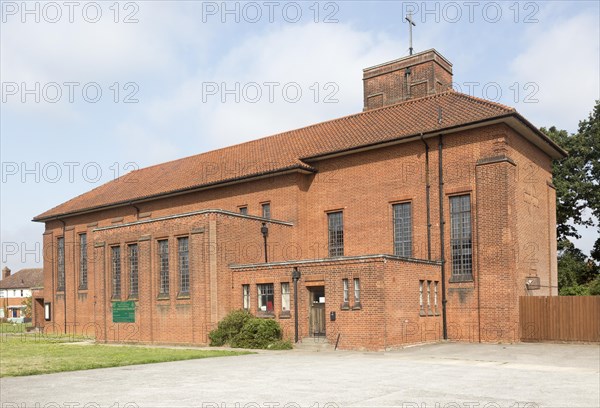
(451,375)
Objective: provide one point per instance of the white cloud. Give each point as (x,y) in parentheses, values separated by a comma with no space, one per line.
(330,56)
(562,58)
(154,148)
(104,52)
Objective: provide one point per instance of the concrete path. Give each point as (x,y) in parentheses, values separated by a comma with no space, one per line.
(446,375)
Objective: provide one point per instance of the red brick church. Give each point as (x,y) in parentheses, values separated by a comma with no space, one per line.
(421,218)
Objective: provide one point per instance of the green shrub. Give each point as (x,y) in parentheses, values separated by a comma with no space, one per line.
(229,327)
(595,287)
(281,345)
(257,334)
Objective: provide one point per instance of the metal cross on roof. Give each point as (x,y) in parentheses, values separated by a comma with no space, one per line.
(411,23)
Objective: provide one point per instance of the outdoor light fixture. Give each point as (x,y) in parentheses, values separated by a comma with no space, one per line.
(296,275)
(265,232)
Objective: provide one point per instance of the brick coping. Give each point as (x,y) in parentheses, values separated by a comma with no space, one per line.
(192,213)
(343,259)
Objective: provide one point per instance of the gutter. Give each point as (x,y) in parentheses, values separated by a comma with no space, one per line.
(64,238)
(442,244)
(438,132)
(427,197)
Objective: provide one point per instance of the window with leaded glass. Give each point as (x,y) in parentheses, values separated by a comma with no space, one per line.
(460,238)
(184,265)
(83,267)
(60,256)
(402,229)
(116,271)
(133,270)
(163,265)
(336,233)
(265,298)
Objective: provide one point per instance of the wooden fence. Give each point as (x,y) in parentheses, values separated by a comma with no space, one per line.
(560,318)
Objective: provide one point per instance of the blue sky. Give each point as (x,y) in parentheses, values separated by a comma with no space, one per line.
(164,68)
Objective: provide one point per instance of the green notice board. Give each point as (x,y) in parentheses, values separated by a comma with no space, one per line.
(123,312)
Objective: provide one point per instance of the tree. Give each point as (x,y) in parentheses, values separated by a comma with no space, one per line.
(577,274)
(28,304)
(577,182)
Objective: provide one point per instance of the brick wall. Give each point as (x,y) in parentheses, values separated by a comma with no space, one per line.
(492,164)
(415,76)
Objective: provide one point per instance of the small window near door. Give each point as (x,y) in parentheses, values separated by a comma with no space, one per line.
(47,311)
(265,298)
(285,298)
(246,297)
(345,300)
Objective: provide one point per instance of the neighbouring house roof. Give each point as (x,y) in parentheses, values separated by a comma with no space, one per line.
(294,150)
(24,279)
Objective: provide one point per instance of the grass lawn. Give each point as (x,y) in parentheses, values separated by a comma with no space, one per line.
(13,327)
(24,355)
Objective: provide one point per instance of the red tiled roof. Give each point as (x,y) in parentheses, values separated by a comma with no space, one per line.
(24,279)
(287,150)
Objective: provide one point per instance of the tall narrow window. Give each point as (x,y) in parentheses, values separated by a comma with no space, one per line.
(403,229)
(184,266)
(429,297)
(336,233)
(60,255)
(246,297)
(133,270)
(435,303)
(356,292)
(163,259)
(345,291)
(421,309)
(83,261)
(116,271)
(265,298)
(244,210)
(266,210)
(460,237)
(285,297)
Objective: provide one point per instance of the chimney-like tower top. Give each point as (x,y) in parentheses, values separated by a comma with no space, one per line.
(422,74)
(5,272)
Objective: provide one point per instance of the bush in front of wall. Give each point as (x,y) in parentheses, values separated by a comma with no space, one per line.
(257,334)
(229,327)
(242,330)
